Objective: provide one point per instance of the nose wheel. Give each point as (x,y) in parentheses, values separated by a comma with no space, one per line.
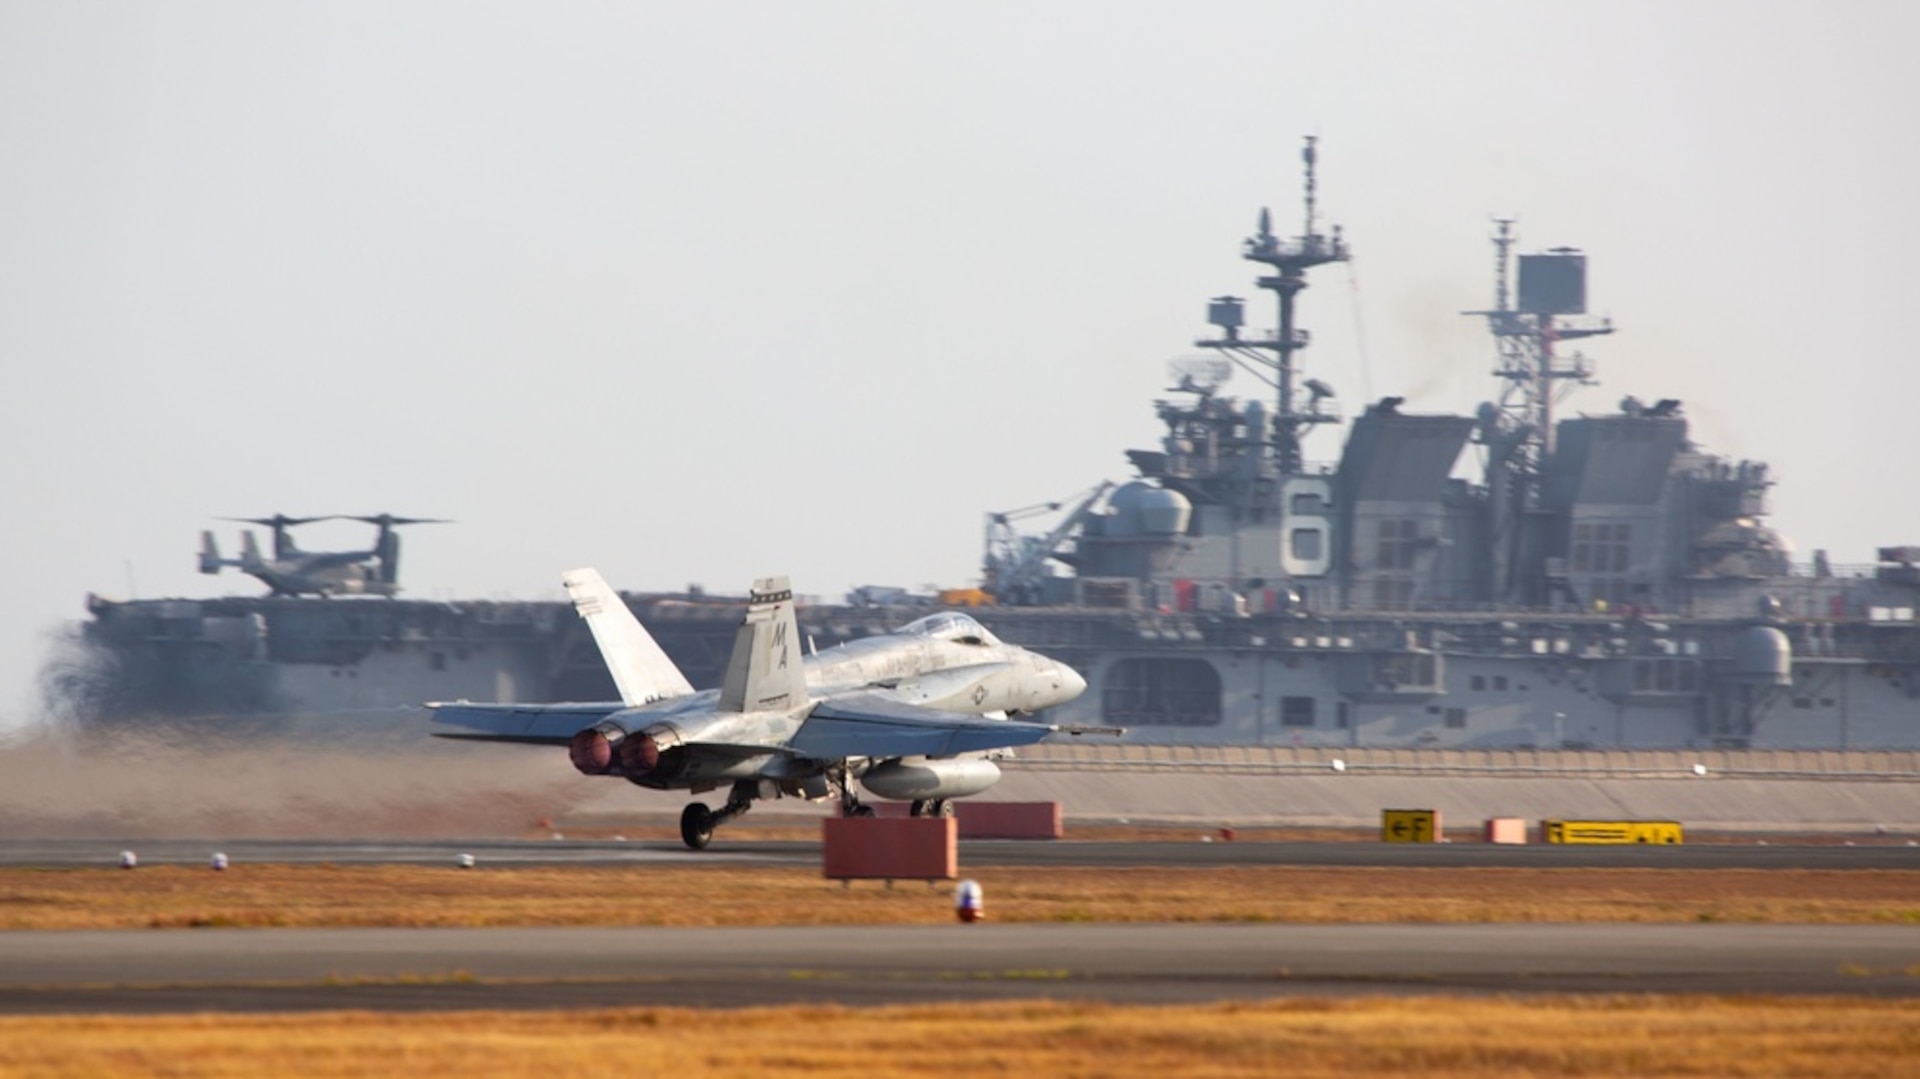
(850,804)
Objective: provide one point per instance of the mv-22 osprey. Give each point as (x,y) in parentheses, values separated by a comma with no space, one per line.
(916,715)
(293,571)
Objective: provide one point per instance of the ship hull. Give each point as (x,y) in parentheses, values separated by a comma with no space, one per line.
(1402,681)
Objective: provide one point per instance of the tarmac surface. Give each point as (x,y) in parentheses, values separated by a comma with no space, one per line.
(406,969)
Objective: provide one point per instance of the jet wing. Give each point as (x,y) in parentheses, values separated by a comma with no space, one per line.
(873,725)
(532,724)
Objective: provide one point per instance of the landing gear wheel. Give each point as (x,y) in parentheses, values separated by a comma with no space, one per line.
(849,801)
(696,826)
(940,808)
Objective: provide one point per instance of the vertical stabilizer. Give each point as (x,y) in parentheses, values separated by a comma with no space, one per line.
(209,554)
(765,670)
(250,559)
(640,669)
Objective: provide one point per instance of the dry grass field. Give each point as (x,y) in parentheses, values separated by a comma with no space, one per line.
(1435,1038)
(396,895)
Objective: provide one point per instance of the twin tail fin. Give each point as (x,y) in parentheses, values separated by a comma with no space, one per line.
(640,668)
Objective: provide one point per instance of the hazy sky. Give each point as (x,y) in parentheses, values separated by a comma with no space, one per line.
(699,292)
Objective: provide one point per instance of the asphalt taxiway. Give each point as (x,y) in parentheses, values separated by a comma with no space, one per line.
(402,969)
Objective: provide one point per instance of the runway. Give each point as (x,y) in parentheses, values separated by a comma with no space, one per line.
(280,970)
(974,853)
(420,969)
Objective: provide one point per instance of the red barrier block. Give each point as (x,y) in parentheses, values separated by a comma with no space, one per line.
(1506,830)
(1009,820)
(878,848)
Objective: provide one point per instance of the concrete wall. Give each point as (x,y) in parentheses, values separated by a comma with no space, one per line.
(1753,790)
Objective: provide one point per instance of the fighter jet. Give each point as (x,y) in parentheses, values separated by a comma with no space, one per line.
(293,571)
(917,715)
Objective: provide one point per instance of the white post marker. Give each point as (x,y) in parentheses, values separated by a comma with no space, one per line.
(967,902)
(128,859)
(465,861)
(219,861)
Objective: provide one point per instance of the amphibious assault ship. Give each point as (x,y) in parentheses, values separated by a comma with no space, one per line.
(1599,581)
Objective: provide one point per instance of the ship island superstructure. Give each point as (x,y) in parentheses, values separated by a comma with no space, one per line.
(1517,577)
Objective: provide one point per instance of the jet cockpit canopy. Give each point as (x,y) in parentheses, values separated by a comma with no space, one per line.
(949,626)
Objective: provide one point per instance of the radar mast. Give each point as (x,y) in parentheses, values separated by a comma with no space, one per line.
(1549,306)
(1290,261)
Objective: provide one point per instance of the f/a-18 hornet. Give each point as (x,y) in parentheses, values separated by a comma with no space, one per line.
(915,715)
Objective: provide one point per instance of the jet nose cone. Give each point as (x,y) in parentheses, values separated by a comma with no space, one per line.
(1071,683)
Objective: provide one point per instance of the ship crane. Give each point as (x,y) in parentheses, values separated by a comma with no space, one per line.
(1016,565)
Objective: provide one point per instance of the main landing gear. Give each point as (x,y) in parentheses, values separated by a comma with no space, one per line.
(851,806)
(697,822)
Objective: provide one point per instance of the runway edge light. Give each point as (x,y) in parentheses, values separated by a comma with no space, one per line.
(968,902)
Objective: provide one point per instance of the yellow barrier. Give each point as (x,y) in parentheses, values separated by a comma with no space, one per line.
(1610,831)
(1410,826)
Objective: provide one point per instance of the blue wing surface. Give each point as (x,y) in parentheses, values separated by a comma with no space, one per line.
(530,724)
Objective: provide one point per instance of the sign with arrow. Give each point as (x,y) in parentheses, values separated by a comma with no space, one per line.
(1410,826)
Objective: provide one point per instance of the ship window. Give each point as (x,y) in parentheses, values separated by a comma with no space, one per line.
(1306,544)
(1341,717)
(1162,692)
(1478,681)
(1296,711)
(437,661)
(1406,669)
(1601,547)
(1666,676)
(1500,681)
(1397,544)
(1456,718)
(1308,505)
